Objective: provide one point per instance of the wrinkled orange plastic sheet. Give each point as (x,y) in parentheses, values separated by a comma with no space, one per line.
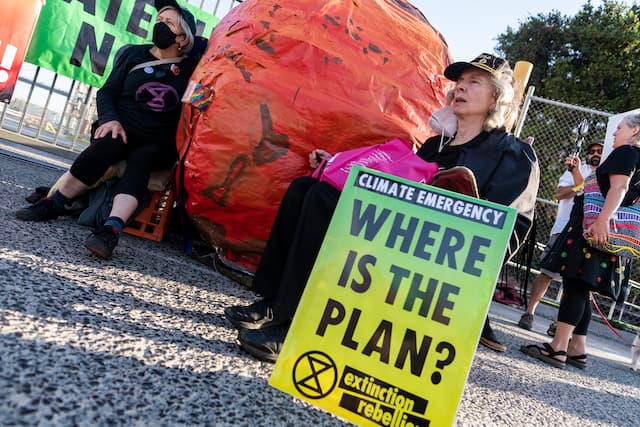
(282,78)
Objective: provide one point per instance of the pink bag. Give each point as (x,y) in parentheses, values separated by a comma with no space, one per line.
(394,157)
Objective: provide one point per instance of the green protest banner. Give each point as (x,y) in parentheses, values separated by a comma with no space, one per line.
(80,38)
(389,322)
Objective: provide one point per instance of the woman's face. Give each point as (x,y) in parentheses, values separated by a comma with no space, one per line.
(473,95)
(624,134)
(171,17)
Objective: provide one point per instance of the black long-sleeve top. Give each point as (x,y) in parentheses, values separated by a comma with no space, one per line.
(145,101)
(506,171)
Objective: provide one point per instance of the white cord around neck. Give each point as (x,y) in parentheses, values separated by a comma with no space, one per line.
(444,143)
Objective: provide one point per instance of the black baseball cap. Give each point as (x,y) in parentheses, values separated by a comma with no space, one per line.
(188,16)
(484,61)
(596,142)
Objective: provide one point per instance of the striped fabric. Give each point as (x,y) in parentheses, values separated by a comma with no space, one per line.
(624,227)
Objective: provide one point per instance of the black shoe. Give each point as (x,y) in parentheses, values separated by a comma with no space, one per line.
(526,321)
(102,242)
(38,194)
(265,343)
(489,340)
(252,316)
(42,210)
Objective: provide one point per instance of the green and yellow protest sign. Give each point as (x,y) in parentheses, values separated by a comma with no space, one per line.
(80,38)
(388,324)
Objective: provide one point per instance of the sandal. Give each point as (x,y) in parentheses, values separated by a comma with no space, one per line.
(535,350)
(579,361)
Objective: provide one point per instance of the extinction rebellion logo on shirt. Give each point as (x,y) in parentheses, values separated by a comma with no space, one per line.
(158,96)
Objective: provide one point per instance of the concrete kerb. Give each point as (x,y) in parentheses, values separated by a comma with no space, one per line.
(38,152)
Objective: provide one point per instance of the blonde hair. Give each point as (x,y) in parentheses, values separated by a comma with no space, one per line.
(185,30)
(505,111)
(633,120)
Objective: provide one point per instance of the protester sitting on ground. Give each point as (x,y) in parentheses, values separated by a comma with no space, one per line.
(505,168)
(584,268)
(567,188)
(138,113)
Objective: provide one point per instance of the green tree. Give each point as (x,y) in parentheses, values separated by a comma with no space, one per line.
(539,40)
(589,59)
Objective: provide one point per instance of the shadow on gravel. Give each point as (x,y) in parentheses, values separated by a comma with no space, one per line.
(45,383)
(567,390)
(58,243)
(72,302)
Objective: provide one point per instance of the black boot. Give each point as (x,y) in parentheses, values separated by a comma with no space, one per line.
(102,242)
(264,343)
(252,316)
(43,210)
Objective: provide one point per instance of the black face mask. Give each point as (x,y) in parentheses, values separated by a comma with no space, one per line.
(163,37)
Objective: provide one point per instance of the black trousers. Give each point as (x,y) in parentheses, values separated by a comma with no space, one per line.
(294,242)
(142,159)
(575,307)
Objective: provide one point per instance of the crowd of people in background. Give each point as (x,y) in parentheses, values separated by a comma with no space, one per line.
(584,268)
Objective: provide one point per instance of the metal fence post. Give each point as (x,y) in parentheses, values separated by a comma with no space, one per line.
(43,116)
(26,104)
(64,112)
(83,115)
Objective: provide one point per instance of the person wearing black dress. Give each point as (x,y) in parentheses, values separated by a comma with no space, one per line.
(582,267)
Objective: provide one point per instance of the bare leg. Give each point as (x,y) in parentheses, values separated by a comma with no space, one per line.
(123,206)
(561,339)
(70,186)
(538,289)
(577,345)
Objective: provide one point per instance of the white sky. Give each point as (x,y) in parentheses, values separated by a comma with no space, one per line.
(471,26)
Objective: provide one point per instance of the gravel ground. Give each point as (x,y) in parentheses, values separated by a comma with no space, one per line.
(141,340)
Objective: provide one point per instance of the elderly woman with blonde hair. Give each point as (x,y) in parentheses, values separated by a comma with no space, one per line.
(505,169)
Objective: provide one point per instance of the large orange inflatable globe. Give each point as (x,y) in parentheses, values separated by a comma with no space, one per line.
(280,78)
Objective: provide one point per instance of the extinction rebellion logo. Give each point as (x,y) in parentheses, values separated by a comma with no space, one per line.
(315,375)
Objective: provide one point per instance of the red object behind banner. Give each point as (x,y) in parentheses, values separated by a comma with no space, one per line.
(17,21)
(280,79)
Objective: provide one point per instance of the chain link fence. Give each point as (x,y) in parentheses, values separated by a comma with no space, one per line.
(554,126)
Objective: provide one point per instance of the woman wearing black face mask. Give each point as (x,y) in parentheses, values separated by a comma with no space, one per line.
(138,113)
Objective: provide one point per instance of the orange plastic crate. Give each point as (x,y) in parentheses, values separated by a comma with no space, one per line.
(152,222)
